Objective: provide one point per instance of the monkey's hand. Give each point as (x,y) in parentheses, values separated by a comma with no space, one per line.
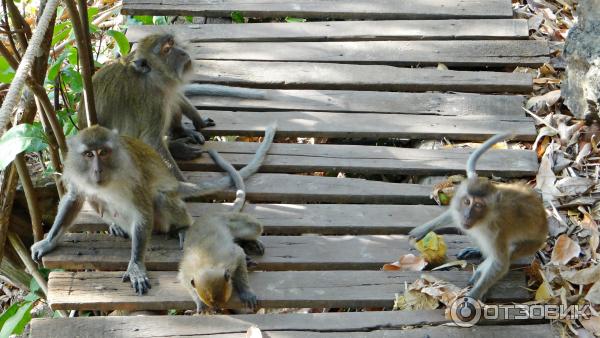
(251,247)
(182,151)
(204,122)
(469,253)
(117,231)
(136,274)
(248,299)
(41,248)
(418,233)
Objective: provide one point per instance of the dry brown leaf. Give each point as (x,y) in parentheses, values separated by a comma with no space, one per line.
(591,324)
(460,263)
(564,250)
(574,185)
(253,332)
(536,103)
(593,294)
(544,292)
(407,262)
(584,276)
(413,300)
(545,179)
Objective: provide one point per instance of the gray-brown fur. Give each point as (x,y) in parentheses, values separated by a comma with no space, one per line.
(506,221)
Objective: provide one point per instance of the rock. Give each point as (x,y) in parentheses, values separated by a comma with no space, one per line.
(582,55)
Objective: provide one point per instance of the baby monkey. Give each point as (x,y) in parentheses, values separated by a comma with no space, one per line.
(506,221)
(213,265)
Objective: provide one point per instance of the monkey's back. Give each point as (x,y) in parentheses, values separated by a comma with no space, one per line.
(150,164)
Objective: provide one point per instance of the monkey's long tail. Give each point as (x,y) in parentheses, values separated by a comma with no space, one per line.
(472,161)
(219,90)
(240,194)
(207,188)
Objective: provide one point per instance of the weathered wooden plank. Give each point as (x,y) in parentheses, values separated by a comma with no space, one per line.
(312,75)
(491,106)
(286,325)
(347,289)
(339,9)
(297,253)
(342,30)
(292,157)
(485,53)
(297,219)
(360,125)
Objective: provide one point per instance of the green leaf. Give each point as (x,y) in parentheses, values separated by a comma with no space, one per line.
(34,286)
(121,41)
(159,20)
(56,66)
(92,11)
(73,79)
(237,17)
(22,137)
(61,32)
(6,71)
(16,320)
(144,19)
(72,54)
(292,19)
(189,19)
(31,297)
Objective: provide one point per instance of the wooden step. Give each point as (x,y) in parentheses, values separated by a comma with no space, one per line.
(484,53)
(333,324)
(338,9)
(296,253)
(342,31)
(323,289)
(490,106)
(372,126)
(314,75)
(297,219)
(293,157)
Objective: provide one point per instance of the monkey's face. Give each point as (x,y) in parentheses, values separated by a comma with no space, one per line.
(472,210)
(213,287)
(174,56)
(91,155)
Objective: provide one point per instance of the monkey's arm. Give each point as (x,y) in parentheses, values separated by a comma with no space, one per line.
(188,109)
(240,283)
(136,270)
(68,209)
(161,147)
(207,188)
(444,219)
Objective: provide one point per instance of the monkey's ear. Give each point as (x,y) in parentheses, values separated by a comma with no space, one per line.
(141,65)
(227,275)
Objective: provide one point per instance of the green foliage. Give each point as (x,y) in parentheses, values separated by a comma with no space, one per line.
(15,318)
(6,71)
(121,41)
(22,137)
(237,17)
(292,19)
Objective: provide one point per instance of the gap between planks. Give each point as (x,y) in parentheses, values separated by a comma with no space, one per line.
(360,324)
(478,29)
(336,9)
(323,289)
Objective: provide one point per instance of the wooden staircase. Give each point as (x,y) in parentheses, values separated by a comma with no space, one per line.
(326,237)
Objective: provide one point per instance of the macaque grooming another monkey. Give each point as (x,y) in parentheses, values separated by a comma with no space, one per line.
(141,96)
(213,265)
(129,185)
(506,221)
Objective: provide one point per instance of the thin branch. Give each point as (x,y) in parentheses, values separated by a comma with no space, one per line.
(23,253)
(30,196)
(84,61)
(85,25)
(11,41)
(14,92)
(21,26)
(8,188)
(48,111)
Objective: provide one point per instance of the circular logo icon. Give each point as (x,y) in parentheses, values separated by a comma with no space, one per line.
(465,311)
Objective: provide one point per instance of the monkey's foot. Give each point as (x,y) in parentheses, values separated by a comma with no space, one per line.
(474,278)
(41,248)
(251,247)
(182,151)
(469,253)
(475,294)
(205,122)
(250,263)
(117,231)
(248,299)
(138,277)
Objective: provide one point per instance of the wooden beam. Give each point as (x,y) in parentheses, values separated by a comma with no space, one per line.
(332,324)
(323,289)
(313,75)
(372,126)
(342,30)
(490,106)
(485,53)
(293,157)
(337,9)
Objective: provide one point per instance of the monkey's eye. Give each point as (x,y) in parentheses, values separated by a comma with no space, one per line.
(466,201)
(88,154)
(104,152)
(478,205)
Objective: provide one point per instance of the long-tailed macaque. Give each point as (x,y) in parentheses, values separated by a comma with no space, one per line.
(213,265)
(506,221)
(129,185)
(141,96)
